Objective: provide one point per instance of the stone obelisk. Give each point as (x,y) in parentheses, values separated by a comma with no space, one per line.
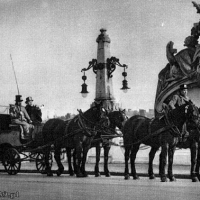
(104,86)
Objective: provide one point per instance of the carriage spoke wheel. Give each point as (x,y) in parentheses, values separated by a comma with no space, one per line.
(40,162)
(12,161)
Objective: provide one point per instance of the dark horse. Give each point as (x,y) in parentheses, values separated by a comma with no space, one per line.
(191,142)
(74,134)
(164,133)
(116,119)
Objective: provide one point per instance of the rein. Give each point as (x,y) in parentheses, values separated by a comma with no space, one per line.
(170,123)
(87,130)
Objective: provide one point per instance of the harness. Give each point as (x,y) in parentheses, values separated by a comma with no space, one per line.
(169,125)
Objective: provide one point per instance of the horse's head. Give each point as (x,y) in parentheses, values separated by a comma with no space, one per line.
(192,115)
(117,118)
(98,114)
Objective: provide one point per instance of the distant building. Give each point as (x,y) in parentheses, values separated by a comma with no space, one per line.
(142,112)
(149,113)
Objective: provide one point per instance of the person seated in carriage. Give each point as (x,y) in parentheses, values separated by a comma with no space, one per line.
(29,105)
(20,116)
(180,99)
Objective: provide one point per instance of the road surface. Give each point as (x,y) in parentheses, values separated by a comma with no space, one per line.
(40,187)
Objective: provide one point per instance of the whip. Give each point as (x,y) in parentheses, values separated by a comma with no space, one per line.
(14,73)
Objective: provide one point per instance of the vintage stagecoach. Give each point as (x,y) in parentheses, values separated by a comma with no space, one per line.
(14,150)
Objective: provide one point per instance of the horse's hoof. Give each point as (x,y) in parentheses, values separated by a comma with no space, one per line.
(97,174)
(107,174)
(152,176)
(71,172)
(59,171)
(172,179)
(127,177)
(79,175)
(136,177)
(163,179)
(85,174)
(50,174)
(195,179)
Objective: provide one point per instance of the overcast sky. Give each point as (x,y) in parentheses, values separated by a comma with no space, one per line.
(52,40)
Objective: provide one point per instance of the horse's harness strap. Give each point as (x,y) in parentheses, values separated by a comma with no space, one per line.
(81,114)
(175,130)
(86,132)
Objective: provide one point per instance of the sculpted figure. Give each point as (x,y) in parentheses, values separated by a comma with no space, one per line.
(180,65)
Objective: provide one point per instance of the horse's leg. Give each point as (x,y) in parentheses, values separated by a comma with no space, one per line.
(171,151)
(58,161)
(74,161)
(198,162)
(151,157)
(85,151)
(69,156)
(79,159)
(163,160)
(194,153)
(106,152)
(98,153)
(127,156)
(134,151)
(159,167)
(46,156)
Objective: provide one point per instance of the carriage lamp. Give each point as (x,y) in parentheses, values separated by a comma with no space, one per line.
(124,82)
(84,91)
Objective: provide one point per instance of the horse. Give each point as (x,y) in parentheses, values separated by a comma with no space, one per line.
(74,134)
(116,119)
(192,142)
(164,133)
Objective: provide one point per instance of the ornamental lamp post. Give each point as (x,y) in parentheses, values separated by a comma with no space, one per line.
(103,67)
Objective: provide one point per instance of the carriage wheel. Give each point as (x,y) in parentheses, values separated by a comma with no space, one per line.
(40,162)
(12,161)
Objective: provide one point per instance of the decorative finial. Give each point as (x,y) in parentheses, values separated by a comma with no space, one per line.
(103,36)
(103,30)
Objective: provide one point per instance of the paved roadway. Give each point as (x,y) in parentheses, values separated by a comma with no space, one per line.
(40,187)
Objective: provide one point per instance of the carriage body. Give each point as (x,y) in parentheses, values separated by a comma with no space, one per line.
(13,150)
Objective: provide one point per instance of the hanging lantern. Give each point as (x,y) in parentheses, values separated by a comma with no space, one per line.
(84,91)
(124,82)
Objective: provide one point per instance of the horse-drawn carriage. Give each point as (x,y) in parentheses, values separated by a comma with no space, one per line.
(54,135)
(14,150)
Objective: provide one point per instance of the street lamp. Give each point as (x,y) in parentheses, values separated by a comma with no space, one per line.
(111,66)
